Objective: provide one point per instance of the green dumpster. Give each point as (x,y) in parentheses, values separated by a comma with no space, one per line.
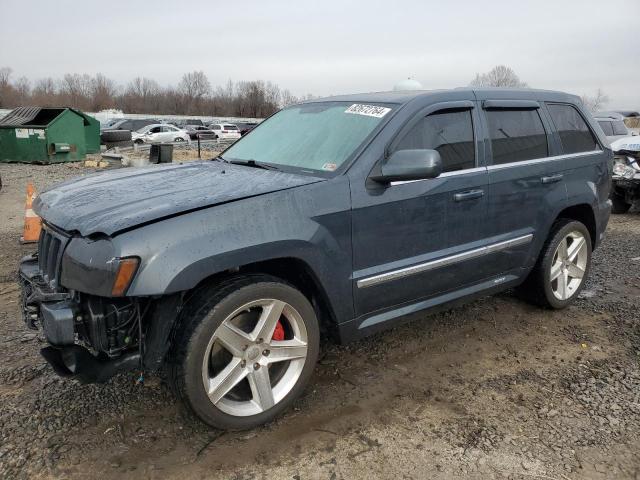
(47,135)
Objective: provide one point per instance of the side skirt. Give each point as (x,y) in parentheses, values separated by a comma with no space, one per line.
(368,324)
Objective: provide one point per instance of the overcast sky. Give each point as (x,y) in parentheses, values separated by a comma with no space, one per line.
(332,46)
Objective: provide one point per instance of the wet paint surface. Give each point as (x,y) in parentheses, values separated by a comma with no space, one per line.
(113,201)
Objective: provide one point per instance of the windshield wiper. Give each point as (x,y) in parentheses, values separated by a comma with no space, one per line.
(252,163)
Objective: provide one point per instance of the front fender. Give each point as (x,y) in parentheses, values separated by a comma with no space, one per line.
(309,223)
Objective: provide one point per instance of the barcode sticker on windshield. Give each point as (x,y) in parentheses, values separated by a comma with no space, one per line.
(368,110)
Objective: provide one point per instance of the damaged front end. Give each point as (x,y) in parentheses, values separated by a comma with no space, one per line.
(91,337)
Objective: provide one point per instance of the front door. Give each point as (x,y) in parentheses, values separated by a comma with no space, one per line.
(413,240)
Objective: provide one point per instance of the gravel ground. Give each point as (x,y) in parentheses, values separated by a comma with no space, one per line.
(494,389)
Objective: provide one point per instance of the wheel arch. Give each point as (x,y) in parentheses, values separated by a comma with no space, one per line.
(583,213)
(294,271)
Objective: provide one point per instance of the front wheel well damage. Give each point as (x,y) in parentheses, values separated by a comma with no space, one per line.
(290,270)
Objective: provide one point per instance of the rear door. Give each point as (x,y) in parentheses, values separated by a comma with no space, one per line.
(526,180)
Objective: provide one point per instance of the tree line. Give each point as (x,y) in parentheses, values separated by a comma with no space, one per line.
(194,95)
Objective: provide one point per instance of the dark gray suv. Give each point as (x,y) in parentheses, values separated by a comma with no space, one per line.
(345,215)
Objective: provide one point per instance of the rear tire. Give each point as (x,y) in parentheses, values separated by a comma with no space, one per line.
(239,375)
(562,267)
(618,203)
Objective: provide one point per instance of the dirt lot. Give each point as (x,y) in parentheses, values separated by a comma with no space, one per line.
(495,389)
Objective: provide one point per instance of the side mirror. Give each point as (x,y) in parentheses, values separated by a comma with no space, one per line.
(405,165)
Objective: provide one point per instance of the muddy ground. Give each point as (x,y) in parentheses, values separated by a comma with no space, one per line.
(494,389)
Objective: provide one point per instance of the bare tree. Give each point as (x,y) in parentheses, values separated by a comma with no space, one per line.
(75,90)
(103,92)
(499,76)
(6,89)
(23,90)
(596,102)
(44,93)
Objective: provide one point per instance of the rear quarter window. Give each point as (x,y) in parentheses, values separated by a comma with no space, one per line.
(575,134)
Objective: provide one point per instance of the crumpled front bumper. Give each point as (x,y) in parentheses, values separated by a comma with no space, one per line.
(51,310)
(55,312)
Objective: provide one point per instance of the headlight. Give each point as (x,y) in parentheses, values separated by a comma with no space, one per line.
(94,267)
(621,169)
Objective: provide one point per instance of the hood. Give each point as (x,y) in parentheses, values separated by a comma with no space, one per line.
(629,144)
(116,200)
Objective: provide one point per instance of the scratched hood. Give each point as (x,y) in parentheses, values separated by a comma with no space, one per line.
(116,200)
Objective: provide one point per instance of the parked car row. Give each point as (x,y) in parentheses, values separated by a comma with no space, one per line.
(150,130)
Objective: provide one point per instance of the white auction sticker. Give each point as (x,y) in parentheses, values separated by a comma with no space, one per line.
(368,110)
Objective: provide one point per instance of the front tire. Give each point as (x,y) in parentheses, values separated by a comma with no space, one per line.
(244,351)
(562,267)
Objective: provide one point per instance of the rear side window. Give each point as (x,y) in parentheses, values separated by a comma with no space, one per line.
(607,127)
(619,128)
(450,133)
(516,135)
(575,134)
(230,127)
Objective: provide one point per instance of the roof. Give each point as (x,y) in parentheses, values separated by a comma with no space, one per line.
(39,116)
(406,96)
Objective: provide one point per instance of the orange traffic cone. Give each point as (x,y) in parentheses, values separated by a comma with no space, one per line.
(32,222)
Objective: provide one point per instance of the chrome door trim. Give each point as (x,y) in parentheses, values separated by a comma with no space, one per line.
(444,261)
(543,160)
(455,173)
(503,165)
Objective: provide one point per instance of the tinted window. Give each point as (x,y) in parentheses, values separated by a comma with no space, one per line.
(448,132)
(516,135)
(574,133)
(606,126)
(216,127)
(619,128)
(230,127)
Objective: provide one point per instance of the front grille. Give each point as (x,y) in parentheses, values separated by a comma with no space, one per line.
(50,247)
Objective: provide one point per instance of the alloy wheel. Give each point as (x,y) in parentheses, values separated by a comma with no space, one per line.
(569,265)
(255,357)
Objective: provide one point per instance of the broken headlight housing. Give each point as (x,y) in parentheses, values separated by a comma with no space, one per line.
(625,167)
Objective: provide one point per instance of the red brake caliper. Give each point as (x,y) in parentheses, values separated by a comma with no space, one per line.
(278,333)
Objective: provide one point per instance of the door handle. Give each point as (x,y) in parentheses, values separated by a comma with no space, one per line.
(470,195)
(551,179)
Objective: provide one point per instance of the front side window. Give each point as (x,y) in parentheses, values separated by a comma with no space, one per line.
(575,134)
(450,132)
(516,135)
(314,136)
(155,130)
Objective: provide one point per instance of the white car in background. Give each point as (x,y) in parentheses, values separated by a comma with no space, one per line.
(160,133)
(225,131)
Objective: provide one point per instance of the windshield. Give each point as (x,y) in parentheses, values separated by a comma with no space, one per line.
(315,136)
